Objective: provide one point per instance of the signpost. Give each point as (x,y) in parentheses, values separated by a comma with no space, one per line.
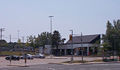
(82,46)
(25,59)
(10,59)
(72,44)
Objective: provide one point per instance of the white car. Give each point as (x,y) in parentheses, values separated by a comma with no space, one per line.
(28,56)
(39,55)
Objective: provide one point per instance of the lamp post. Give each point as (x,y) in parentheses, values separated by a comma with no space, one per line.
(51,23)
(82,46)
(51,33)
(72,45)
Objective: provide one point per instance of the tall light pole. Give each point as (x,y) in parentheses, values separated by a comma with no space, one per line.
(51,33)
(72,45)
(82,45)
(51,23)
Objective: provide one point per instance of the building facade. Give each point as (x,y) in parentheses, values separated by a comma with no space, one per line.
(88,44)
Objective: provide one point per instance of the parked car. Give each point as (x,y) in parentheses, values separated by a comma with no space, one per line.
(12,57)
(39,55)
(28,56)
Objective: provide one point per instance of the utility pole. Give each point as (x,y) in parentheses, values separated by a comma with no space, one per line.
(27,39)
(23,39)
(72,45)
(10,38)
(51,33)
(18,34)
(82,45)
(1,30)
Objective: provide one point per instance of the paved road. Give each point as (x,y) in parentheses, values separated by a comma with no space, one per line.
(108,66)
(4,63)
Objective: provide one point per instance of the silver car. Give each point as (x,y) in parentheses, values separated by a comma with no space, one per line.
(28,56)
(39,55)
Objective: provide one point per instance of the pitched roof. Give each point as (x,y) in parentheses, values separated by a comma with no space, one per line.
(84,39)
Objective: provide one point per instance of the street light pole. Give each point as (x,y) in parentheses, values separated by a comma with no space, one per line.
(72,45)
(51,23)
(51,33)
(82,46)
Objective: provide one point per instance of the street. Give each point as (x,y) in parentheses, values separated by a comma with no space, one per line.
(106,66)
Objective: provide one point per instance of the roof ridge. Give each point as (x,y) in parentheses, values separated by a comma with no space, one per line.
(85,38)
(87,35)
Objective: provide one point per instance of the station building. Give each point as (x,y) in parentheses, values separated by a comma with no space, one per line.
(87,43)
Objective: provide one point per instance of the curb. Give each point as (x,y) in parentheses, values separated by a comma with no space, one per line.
(19,65)
(88,63)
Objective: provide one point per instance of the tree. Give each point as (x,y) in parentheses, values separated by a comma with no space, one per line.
(40,41)
(31,41)
(108,38)
(46,38)
(112,37)
(3,43)
(19,43)
(43,39)
(56,39)
(27,44)
(117,36)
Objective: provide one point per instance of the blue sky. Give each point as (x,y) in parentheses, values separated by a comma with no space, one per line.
(30,17)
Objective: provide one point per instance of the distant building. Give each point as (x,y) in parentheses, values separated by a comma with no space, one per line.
(89,44)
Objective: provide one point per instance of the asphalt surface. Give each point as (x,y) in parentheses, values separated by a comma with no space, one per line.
(5,63)
(107,66)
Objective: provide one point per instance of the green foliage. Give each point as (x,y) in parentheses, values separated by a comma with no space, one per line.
(26,44)
(41,40)
(112,37)
(31,41)
(106,46)
(46,38)
(56,39)
(19,43)
(3,43)
(14,53)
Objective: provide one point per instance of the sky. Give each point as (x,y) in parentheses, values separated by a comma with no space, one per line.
(30,17)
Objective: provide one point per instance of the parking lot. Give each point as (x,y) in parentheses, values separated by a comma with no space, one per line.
(35,61)
(5,63)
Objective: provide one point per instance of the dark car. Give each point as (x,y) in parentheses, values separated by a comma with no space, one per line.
(12,57)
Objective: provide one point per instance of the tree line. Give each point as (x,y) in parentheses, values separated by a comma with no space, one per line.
(45,38)
(111,39)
